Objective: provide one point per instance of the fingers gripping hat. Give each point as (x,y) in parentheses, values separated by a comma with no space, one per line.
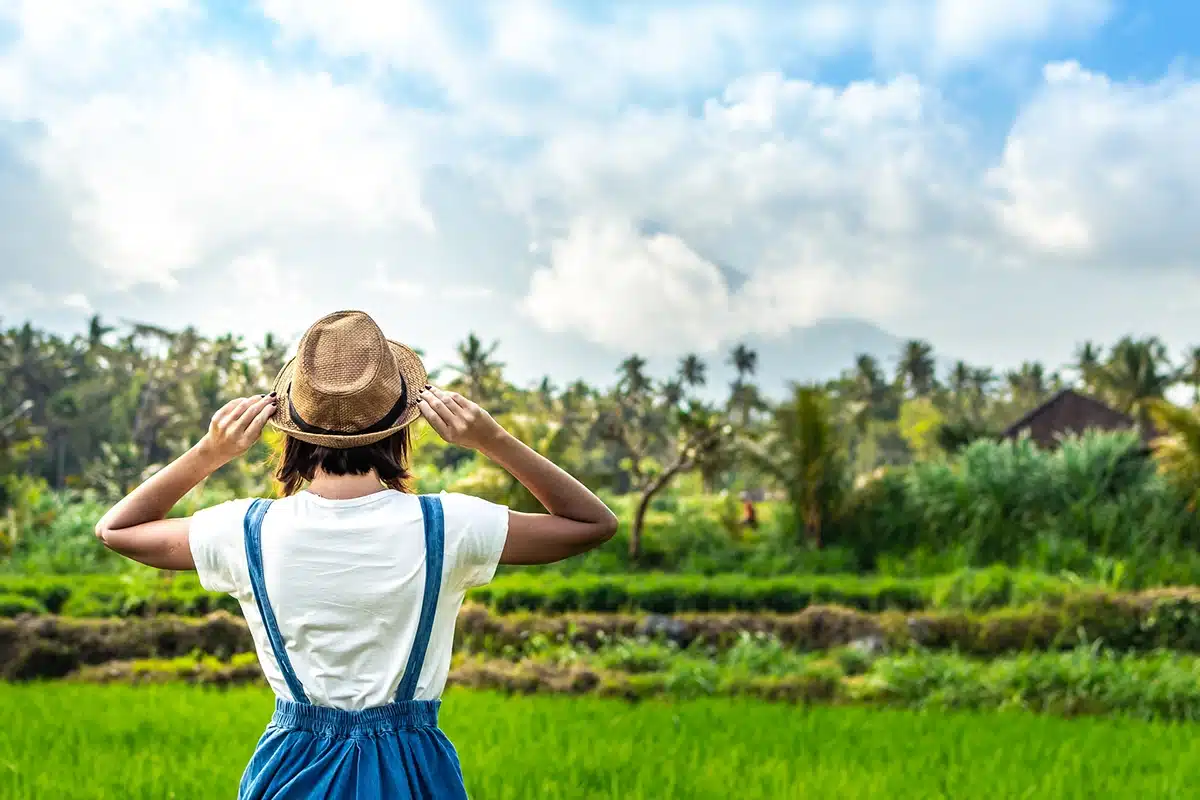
(348,385)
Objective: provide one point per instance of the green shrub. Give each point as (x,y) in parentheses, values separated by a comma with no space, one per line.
(12,605)
(1086,680)
(637,656)
(51,647)
(149,593)
(852,661)
(666,594)
(1082,681)
(745,643)
(1094,503)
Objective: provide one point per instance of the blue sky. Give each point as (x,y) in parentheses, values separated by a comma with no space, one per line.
(582,180)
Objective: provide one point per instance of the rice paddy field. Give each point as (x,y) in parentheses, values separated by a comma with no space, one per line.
(65,740)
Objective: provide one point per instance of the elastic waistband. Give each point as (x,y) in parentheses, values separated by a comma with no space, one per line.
(327,721)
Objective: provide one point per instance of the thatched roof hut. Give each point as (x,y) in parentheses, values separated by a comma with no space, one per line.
(1071,413)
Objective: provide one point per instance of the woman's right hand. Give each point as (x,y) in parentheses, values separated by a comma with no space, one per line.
(237,425)
(458,420)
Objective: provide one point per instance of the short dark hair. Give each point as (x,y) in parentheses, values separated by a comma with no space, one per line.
(300,461)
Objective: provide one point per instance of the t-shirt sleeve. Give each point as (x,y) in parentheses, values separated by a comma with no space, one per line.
(215,537)
(476,530)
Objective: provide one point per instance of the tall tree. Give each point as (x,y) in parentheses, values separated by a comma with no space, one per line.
(866,392)
(632,375)
(1028,384)
(661,431)
(1088,361)
(744,397)
(692,371)
(744,361)
(478,371)
(272,353)
(917,370)
(1190,372)
(1177,448)
(960,377)
(1137,371)
(803,451)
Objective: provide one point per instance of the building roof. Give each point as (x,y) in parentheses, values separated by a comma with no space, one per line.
(1067,413)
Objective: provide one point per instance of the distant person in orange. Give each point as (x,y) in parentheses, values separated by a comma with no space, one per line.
(749,515)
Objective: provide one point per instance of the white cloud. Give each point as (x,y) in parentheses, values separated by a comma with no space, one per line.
(407,34)
(78,301)
(1101,172)
(216,152)
(827,198)
(870,154)
(665,186)
(22,296)
(591,61)
(22,299)
(382,281)
(943,35)
(66,45)
(467,292)
(629,291)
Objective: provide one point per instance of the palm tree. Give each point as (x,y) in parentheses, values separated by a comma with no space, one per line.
(744,361)
(917,369)
(960,377)
(1088,357)
(868,376)
(743,395)
(1028,384)
(745,398)
(691,371)
(673,392)
(804,453)
(1177,449)
(271,355)
(982,379)
(633,379)
(546,393)
(97,330)
(1137,372)
(477,369)
(866,392)
(1190,374)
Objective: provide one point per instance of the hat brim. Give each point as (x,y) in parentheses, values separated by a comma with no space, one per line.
(411,370)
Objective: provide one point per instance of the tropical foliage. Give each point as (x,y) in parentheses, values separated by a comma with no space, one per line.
(871,471)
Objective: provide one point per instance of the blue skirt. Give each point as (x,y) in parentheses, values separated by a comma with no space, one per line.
(392,751)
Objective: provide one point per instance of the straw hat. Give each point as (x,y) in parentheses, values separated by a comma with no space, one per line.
(347,386)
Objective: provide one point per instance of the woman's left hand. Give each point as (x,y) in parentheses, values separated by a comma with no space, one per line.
(237,425)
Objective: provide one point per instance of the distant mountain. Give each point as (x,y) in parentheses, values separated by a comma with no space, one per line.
(820,351)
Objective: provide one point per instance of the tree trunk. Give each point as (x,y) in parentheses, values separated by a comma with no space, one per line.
(812,526)
(808,526)
(635,531)
(639,516)
(60,461)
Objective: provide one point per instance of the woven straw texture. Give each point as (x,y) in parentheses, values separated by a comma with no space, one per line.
(347,377)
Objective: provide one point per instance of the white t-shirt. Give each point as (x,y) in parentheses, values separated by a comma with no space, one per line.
(346,579)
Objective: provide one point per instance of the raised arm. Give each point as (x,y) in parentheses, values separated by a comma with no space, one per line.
(137,527)
(578,520)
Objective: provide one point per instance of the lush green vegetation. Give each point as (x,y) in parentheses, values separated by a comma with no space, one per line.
(1094,508)
(1084,681)
(148,593)
(895,474)
(1147,625)
(904,557)
(72,741)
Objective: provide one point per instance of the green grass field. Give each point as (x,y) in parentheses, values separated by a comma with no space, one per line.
(74,741)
